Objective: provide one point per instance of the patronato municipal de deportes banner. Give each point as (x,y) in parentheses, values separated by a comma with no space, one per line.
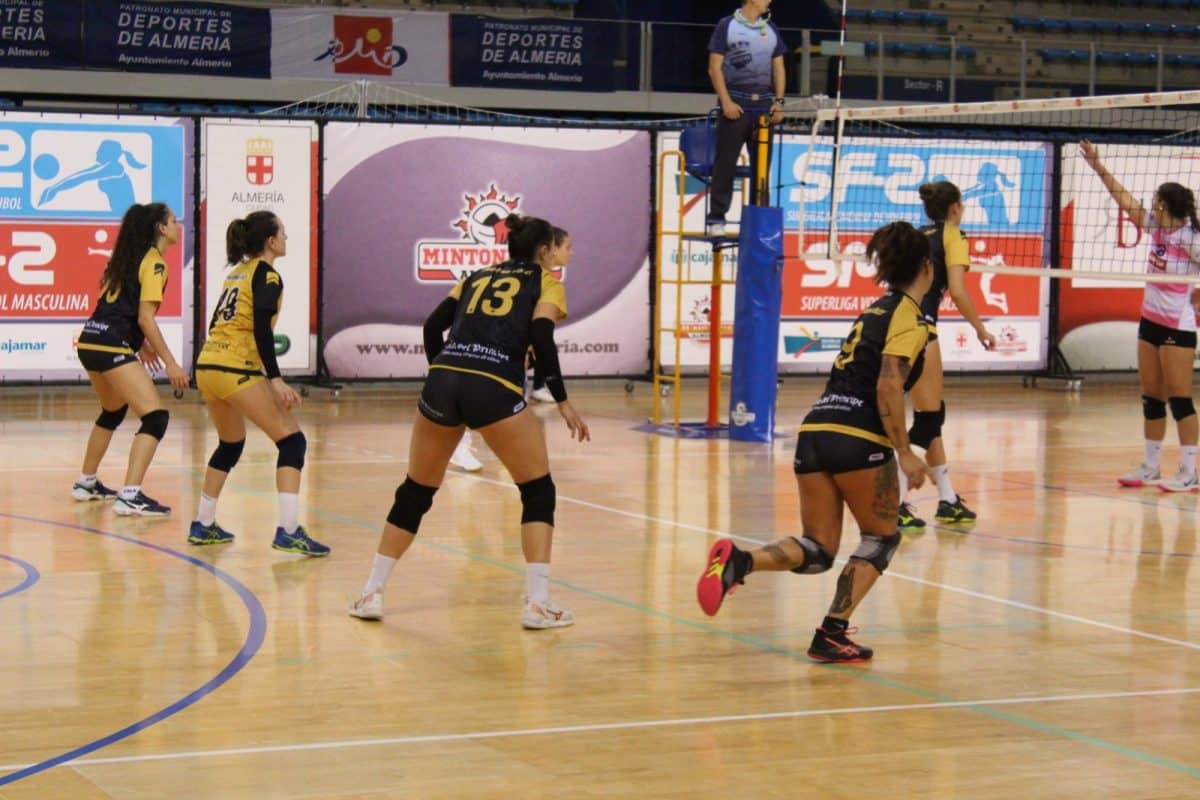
(41,34)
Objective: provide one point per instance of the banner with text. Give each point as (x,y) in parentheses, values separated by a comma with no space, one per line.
(406,48)
(191,38)
(508,53)
(41,34)
(411,209)
(65,183)
(249,166)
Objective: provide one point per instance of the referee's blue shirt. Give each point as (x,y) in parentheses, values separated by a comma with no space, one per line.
(748,51)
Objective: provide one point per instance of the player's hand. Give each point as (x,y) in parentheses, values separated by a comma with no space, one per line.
(1089,153)
(579,428)
(732,110)
(285,394)
(986,338)
(177,377)
(776,114)
(150,359)
(913,468)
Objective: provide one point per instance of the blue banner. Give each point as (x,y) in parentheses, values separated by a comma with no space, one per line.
(41,34)
(756,325)
(538,54)
(192,38)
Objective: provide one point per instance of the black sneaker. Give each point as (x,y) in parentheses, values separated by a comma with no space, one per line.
(140,506)
(909,521)
(97,491)
(837,647)
(722,574)
(955,513)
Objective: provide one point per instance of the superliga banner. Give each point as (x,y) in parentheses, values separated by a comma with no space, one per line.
(406,48)
(248,166)
(65,183)
(411,209)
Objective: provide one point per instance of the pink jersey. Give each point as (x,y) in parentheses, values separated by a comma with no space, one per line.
(1174,252)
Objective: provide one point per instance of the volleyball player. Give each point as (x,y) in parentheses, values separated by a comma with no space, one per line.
(561,258)
(1167,330)
(475,376)
(845,448)
(238,375)
(951,260)
(120,331)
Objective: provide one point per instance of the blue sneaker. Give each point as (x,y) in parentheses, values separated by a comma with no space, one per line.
(208,534)
(298,542)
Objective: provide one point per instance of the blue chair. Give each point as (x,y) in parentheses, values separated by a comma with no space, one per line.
(1081,26)
(699,146)
(858,14)
(934,19)
(1054,27)
(881,16)
(1104,26)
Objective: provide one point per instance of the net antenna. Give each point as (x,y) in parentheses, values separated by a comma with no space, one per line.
(1017,163)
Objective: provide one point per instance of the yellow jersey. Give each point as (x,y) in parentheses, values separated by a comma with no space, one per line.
(230,345)
(113,325)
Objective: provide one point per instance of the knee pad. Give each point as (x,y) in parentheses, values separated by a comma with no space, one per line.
(226,456)
(927,426)
(1181,407)
(412,501)
(877,550)
(1153,408)
(537,500)
(109,420)
(816,557)
(155,423)
(291,451)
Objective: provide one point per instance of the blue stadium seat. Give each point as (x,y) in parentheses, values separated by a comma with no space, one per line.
(934,19)
(1051,26)
(881,16)
(1025,23)
(858,14)
(872,47)
(1105,26)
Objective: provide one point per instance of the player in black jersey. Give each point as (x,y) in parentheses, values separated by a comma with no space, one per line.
(475,381)
(951,260)
(120,331)
(844,451)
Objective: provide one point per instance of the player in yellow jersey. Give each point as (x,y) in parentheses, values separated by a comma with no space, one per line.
(475,381)
(844,452)
(120,331)
(238,374)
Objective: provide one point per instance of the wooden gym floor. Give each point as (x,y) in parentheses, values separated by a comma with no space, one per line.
(1051,652)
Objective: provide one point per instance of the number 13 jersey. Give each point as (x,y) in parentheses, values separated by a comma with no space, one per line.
(230,345)
(490,334)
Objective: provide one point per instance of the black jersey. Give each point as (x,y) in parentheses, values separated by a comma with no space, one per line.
(491,326)
(893,326)
(947,245)
(113,325)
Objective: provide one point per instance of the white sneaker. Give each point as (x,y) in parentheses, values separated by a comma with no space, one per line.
(463,457)
(714,229)
(537,616)
(541,395)
(1140,476)
(368,606)
(1182,482)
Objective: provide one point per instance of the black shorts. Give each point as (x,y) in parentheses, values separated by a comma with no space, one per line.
(1160,335)
(454,398)
(112,356)
(827,451)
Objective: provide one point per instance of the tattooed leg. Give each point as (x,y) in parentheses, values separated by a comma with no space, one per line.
(778,556)
(885,503)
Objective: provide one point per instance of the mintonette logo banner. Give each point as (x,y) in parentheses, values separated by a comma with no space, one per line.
(65,183)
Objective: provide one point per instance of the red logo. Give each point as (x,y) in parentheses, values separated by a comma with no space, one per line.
(483,241)
(260,161)
(363,46)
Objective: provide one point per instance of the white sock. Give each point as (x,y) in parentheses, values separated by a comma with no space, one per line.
(130,492)
(289,512)
(206,514)
(1187,459)
(87,480)
(1153,450)
(941,475)
(537,582)
(381,570)
(903,485)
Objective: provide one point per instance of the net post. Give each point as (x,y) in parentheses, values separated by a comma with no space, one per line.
(714,337)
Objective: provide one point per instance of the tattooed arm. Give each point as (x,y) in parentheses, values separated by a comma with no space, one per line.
(889,393)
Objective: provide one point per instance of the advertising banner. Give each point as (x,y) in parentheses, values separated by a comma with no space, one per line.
(190,38)
(400,47)
(516,53)
(65,183)
(1098,318)
(41,34)
(248,166)
(411,209)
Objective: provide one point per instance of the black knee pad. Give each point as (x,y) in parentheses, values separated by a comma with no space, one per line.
(1153,408)
(291,451)
(412,501)
(927,426)
(226,456)
(110,420)
(816,557)
(1181,407)
(537,500)
(155,423)
(877,550)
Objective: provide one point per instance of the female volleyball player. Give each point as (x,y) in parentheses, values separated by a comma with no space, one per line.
(230,375)
(561,258)
(1167,331)
(475,378)
(951,260)
(120,331)
(844,451)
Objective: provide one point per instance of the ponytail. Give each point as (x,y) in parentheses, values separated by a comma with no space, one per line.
(247,237)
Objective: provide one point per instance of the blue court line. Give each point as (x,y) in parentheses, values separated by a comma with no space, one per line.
(31,576)
(254,640)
